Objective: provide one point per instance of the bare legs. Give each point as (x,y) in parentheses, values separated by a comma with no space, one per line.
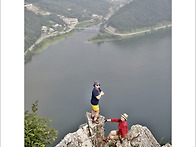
(112,135)
(95,114)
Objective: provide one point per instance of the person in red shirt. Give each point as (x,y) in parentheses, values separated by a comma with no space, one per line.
(122,131)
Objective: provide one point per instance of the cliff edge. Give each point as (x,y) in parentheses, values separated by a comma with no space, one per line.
(91,135)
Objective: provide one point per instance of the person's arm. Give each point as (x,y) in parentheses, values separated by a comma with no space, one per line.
(99,96)
(115,120)
(124,131)
(102,93)
(122,136)
(107,120)
(112,120)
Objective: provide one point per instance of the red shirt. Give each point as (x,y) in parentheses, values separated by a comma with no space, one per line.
(122,126)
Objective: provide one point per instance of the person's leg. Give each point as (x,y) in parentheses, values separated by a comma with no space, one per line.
(93,111)
(96,115)
(112,135)
(96,109)
(92,114)
(105,139)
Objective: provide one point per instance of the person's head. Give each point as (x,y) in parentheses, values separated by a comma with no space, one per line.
(96,84)
(124,117)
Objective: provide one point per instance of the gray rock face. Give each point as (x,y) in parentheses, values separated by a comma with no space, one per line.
(80,138)
(142,137)
(167,145)
(88,135)
(96,130)
(91,135)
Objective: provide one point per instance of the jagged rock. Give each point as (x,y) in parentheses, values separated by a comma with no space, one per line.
(167,145)
(80,138)
(140,136)
(91,135)
(88,135)
(96,130)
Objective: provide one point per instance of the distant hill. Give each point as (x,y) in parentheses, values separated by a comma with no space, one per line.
(140,14)
(81,9)
(34,23)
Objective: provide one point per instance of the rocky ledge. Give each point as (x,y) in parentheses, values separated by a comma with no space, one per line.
(91,135)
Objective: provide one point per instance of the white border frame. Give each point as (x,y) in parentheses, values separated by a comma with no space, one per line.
(12,73)
(183,73)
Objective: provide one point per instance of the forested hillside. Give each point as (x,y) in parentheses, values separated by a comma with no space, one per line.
(140,14)
(34,23)
(81,9)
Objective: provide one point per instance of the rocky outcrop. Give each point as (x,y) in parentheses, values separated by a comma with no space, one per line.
(91,135)
(80,138)
(140,136)
(167,145)
(96,131)
(88,135)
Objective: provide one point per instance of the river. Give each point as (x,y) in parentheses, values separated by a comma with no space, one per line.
(135,75)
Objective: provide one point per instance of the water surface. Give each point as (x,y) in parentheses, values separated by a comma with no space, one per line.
(135,75)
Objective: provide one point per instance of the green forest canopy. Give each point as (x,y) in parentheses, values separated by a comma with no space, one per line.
(34,23)
(141,14)
(81,9)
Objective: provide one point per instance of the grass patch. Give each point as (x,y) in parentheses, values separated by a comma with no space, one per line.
(101,37)
(105,37)
(50,40)
(56,39)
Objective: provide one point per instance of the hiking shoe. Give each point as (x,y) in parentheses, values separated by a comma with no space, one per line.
(105,139)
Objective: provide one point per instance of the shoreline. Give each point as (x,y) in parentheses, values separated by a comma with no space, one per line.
(120,36)
(45,41)
(54,39)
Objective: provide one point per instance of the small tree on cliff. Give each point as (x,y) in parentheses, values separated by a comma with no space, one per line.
(38,131)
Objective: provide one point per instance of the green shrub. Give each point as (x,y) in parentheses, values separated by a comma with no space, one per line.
(38,132)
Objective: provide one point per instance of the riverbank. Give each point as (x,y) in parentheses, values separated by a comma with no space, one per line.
(108,35)
(45,42)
